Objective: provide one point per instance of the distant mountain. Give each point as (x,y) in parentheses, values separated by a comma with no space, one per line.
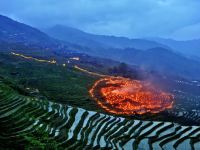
(18,33)
(189,48)
(82,38)
(144,53)
(166,61)
(13,31)
(160,60)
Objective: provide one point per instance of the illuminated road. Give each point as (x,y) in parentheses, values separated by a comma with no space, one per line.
(54,62)
(35,59)
(89,72)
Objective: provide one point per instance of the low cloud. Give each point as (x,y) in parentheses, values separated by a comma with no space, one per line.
(132,18)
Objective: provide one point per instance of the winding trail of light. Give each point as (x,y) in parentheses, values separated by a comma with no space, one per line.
(35,59)
(89,72)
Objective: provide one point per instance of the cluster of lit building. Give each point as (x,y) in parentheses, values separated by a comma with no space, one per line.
(75,58)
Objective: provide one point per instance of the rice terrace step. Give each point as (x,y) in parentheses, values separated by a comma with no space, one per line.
(78,128)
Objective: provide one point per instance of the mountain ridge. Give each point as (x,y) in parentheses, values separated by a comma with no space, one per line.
(187,47)
(155,57)
(70,34)
(12,31)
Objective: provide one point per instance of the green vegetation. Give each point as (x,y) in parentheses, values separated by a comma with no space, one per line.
(31,123)
(40,141)
(54,82)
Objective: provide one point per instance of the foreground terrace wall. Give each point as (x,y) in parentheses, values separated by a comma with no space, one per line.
(79,128)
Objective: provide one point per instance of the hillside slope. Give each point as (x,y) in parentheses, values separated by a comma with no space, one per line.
(24,118)
(144,53)
(12,31)
(148,55)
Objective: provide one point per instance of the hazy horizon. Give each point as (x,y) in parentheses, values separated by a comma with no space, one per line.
(134,19)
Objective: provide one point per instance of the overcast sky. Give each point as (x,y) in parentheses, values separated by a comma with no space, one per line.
(179,19)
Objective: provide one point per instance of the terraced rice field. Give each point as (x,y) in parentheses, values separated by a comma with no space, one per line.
(76,128)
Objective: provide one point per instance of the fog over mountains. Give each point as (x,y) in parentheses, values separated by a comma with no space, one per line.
(190,47)
(163,56)
(157,53)
(73,35)
(86,39)
(135,19)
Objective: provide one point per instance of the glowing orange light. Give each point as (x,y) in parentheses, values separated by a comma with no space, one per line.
(35,59)
(125,96)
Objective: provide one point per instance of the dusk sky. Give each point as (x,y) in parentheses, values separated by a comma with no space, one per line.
(178,19)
